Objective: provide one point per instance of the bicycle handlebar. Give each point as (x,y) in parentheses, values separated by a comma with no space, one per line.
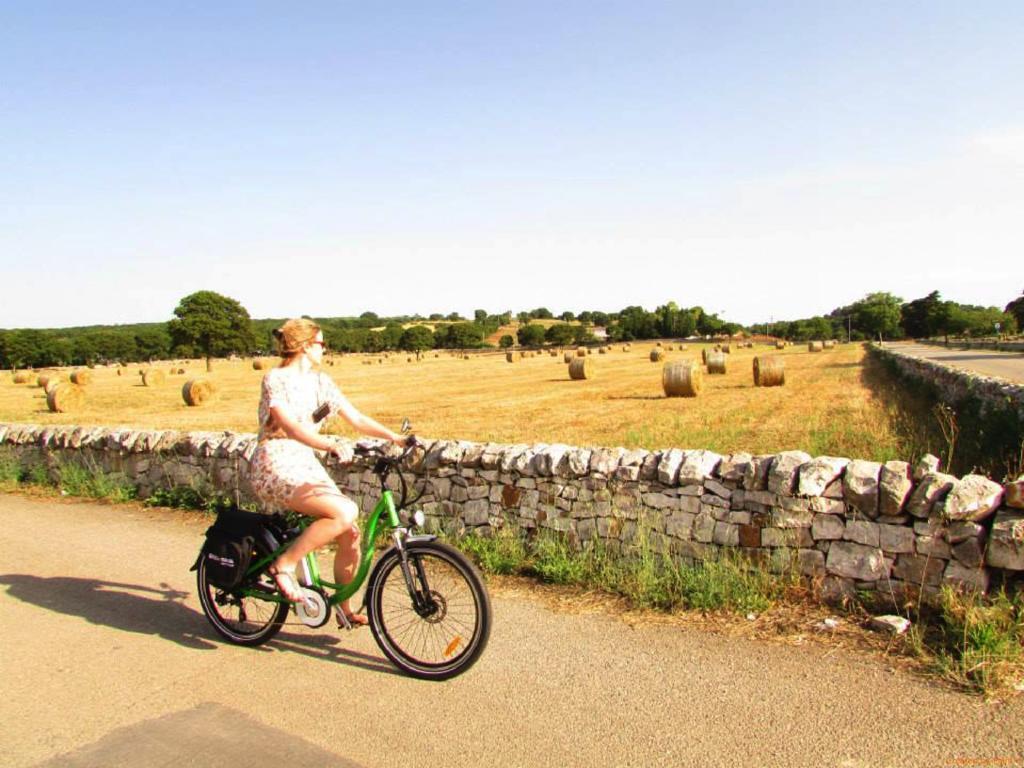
(375,450)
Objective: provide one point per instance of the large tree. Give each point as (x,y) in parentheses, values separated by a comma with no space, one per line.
(212,325)
(1016,308)
(877,314)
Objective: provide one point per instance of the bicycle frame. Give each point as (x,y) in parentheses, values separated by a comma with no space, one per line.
(385,508)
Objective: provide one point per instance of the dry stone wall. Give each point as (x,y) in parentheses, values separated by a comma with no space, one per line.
(854,524)
(956,386)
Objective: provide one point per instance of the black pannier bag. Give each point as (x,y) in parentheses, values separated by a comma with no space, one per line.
(229,547)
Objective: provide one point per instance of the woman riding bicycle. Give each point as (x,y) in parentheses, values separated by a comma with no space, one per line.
(294,400)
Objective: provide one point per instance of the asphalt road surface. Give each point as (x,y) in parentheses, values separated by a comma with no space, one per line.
(987,362)
(107,660)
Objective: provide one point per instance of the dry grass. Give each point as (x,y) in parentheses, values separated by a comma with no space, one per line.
(824,408)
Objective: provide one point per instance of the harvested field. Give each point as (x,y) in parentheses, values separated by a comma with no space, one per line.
(825,408)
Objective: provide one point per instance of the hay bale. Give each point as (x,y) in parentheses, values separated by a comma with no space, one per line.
(81,378)
(657,344)
(815,346)
(553,352)
(258,364)
(780,344)
(21,377)
(682,378)
(603,351)
(657,355)
(510,357)
(769,371)
(151,377)
(625,347)
(52,384)
(716,362)
(727,349)
(581,351)
(43,380)
(65,398)
(581,368)
(118,371)
(568,357)
(829,344)
(198,391)
(668,347)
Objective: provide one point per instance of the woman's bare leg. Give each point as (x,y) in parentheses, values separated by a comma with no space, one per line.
(346,560)
(335,514)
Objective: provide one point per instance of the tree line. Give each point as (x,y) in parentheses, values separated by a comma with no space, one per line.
(207,324)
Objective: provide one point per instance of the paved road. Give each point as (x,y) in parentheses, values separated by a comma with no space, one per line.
(987,362)
(106,660)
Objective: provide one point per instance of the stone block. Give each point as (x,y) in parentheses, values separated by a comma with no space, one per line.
(717,489)
(811,562)
(855,561)
(817,473)
(476,512)
(826,506)
(932,546)
(697,466)
(963,530)
(860,486)
(973,498)
(680,525)
(862,532)
(827,527)
(784,469)
(783,519)
(794,504)
(1013,495)
(668,466)
(897,539)
(970,552)
(704,528)
(755,477)
(749,536)
(919,569)
(1006,541)
(932,488)
(551,460)
(786,537)
(926,465)
(605,461)
(895,485)
(734,467)
(966,577)
(726,535)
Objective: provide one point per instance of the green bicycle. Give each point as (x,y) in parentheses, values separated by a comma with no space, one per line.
(426,603)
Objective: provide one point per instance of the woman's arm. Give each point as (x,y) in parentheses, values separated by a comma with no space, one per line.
(296,431)
(361,422)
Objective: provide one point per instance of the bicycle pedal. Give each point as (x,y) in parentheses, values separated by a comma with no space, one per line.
(343,622)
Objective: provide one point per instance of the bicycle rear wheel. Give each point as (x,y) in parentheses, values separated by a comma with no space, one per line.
(448,631)
(241,620)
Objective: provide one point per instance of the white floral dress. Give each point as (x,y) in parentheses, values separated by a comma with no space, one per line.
(279,464)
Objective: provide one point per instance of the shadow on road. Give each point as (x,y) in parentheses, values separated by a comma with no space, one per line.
(162,612)
(131,607)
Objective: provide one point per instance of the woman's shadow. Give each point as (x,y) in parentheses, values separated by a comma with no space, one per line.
(131,607)
(150,611)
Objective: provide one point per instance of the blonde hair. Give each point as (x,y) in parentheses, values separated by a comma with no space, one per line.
(293,335)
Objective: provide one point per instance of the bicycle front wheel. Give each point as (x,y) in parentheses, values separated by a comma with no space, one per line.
(442,630)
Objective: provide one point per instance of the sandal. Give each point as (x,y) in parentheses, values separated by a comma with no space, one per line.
(287,583)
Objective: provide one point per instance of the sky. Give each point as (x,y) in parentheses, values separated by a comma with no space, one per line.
(761,160)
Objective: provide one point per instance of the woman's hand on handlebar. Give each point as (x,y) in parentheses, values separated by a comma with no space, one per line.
(342,452)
